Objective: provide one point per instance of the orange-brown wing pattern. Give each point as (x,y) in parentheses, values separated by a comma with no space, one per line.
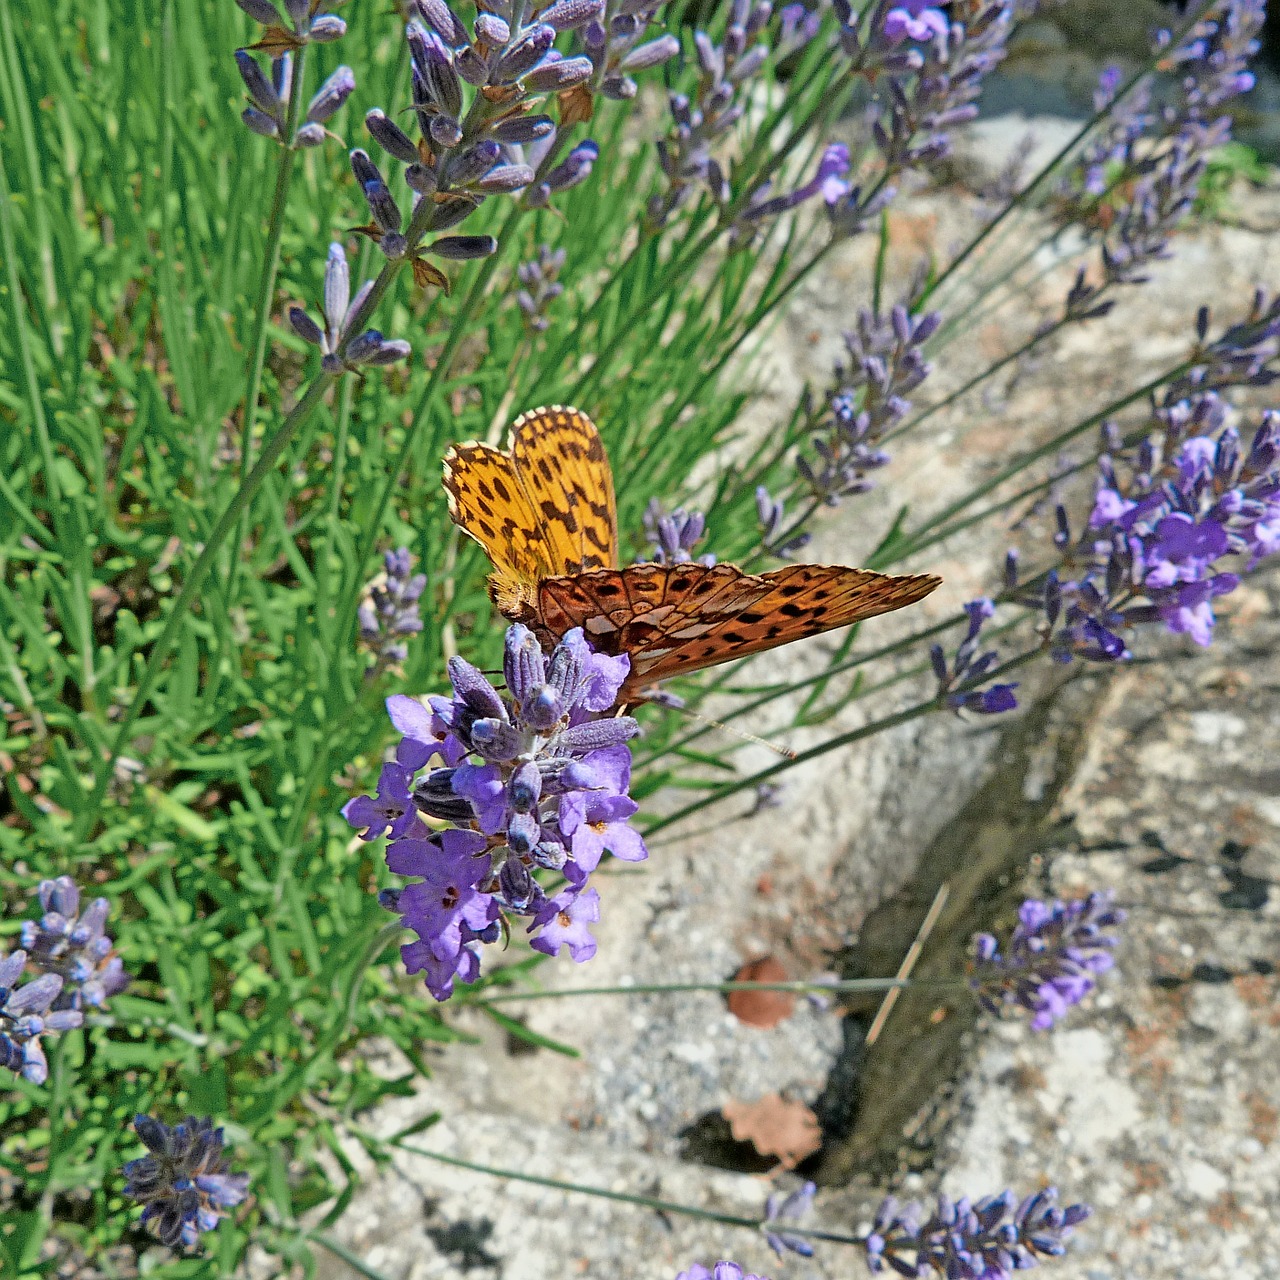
(562,464)
(544,508)
(675,619)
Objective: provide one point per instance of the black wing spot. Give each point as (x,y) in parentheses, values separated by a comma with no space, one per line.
(751,618)
(500,488)
(791,589)
(608,590)
(792,610)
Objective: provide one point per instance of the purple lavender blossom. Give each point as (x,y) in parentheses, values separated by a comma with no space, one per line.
(961,683)
(721,1271)
(930,73)
(673,535)
(1054,956)
(391,611)
(701,122)
(827,182)
(307,25)
(532,779)
(779,1209)
(777,536)
(990,1239)
(73,945)
(539,287)
(886,364)
(184,1182)
(25,1015)
(340,350)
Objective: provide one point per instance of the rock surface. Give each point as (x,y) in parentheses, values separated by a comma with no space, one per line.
(1158,1102)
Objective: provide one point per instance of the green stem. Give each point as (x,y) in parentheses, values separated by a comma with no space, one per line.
(676,988)
(191,586)
(623,1197)
(270,270)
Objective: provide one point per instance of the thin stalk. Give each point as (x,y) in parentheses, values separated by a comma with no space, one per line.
(1063,153)
(623,1197)
(267,288)
(676,988)
(191,586)
(905,716)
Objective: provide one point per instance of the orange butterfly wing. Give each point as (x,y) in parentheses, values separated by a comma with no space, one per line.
(544,508)
(675,619)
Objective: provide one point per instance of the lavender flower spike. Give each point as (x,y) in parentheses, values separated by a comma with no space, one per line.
(73,945)
(673,536)
(340,350)
(1054,956)
(990,1239)
(779,1209)
(25,1016)
(534,779)
(184,1183)
(390,614)
(961,684)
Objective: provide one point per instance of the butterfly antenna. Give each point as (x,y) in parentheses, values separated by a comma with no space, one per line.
(785,752)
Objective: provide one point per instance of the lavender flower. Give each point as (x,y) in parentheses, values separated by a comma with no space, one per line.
(886,364)
(777,537)
(1054,955)
(391,611)
(307,25)
(960,683)
(699,123)
(990,1239)
(536,779)
(672,536)
(827,181)
(721,1271)
(25,1015)
(791,1208)
(540,287)
(183,1184)
(74,946)
(340,350)
(927,88)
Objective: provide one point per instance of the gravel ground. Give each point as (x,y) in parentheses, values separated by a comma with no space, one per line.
(1159,1102)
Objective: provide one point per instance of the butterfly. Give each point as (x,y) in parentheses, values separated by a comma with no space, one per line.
(545,514)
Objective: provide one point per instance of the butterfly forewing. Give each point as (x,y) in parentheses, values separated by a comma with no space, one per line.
(542,509)
(676,619)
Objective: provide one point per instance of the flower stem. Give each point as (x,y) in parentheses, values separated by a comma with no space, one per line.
(191,586)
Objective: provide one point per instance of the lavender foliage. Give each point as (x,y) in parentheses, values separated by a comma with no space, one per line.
(534,780)
(184,1183)
(1052,960)
(990,1239)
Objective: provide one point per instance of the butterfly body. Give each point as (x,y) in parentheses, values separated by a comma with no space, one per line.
(544,511)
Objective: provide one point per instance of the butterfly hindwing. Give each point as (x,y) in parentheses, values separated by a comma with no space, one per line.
(542,509)
(675,619)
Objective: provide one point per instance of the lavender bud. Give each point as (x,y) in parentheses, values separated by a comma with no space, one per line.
(651,54)
(445,132)
(566,15)
(391,137)
(382,204)
(596,734)
(505,177)
(443,21)
(309,135)
(524,55)
(618,88)
(474,691)
(492,30)
(460,248)
(432,62)
(574,168)
(497,740)
(521,130)
(305,327)
(565,73)
(448,213)
(421,179)
(524,790)
(259,123)
(261,90)
(471,66)
(331,95)
(262,11)
(474,164)
(326,28)
(364,168)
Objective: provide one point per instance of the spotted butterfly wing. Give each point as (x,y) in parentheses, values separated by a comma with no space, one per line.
(544,512)
(675,619)
(543,508)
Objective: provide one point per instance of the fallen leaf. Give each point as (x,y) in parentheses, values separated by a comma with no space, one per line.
(775,1127)
(761,1008)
